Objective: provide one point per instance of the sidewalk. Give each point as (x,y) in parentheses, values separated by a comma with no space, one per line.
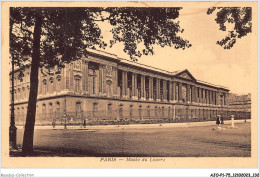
(163,125)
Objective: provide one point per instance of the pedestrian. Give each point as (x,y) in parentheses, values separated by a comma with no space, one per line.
(84,123)
(53,123)
(218,120)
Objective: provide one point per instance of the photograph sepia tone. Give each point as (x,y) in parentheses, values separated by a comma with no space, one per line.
(129,84)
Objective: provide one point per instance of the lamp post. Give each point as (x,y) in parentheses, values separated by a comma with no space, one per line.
(12,128)
(222,119)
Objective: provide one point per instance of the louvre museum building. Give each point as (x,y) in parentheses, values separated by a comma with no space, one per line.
(104,89)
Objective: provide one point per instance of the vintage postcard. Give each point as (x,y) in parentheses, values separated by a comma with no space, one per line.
(129,84)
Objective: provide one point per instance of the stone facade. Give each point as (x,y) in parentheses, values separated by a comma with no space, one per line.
(240,103)
(102,86)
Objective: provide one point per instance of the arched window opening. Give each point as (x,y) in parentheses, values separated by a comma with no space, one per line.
(156,112)
(51,110)
(51,85)
(78,109)
(148,112)
(109,111)
(131,111)
(94,110)
(58,83)
(58,109)
(140,112)
(43,111)
(120,111)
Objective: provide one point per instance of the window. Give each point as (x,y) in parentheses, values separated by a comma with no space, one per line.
(169,112)
(156,112)
(78,109)
(140,112)
(18,95)
(77,83)
(58,83)
(44,88)
(50,110)
(131,111)
(77,65)
(22,113)
(163,114)
(23,93)
(109,110)
(91,81)
(57,109)
(94,111)
(51,85)
(148,112)
(43,111)
(120,111)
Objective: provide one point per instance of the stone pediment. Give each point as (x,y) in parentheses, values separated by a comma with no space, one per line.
(186,75)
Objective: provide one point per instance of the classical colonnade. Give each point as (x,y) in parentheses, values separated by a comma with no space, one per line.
(147,88)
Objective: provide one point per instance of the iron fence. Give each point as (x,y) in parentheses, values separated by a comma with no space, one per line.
(132,116)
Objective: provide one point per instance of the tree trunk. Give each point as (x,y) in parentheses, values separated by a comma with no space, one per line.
(30,118)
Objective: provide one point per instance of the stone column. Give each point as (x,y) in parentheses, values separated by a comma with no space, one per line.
(195,94)
(150,88)
(164,90)
(115,82)
(170,92)
(100,80)
(136,92)
(142,87)
(104,80)
(180,91)
(133,86)
(203,96)
(200,95)
(157,89)
(126,84)
(71,86)
(173,91)
(123,84)
(86,76)
(209,97)
(188,93)
(206,96)
(214,98)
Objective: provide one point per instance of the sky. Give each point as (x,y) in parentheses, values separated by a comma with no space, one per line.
(205,60)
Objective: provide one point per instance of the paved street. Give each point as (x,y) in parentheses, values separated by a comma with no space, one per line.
(197,141)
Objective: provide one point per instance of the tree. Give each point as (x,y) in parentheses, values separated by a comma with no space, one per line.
(55,36)
(241,17)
